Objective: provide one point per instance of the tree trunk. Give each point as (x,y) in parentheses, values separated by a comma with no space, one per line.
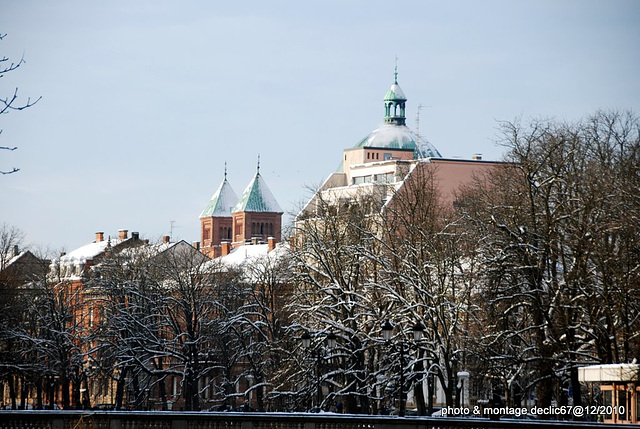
(120,388)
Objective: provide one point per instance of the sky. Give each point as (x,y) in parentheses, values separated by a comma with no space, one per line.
(143,102)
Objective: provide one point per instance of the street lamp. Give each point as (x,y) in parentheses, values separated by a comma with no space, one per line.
(306,343)
(306,340)
(417,330)
(387,330)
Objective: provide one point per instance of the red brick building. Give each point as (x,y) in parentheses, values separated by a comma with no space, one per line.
(228,222)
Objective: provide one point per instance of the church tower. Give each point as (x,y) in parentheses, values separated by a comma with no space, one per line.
(216,221)
(257,215)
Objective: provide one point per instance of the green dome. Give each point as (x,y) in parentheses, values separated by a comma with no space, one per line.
(392,136)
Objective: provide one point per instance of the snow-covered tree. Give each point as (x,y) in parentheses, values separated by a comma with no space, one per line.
(258,324)
(426,273)
(333,281)
(161,308)
(550,228)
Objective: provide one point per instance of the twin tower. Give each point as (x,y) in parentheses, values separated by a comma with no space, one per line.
(229,222)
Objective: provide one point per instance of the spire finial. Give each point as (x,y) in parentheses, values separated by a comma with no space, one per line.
(395,75)
(225,170)
(258,169)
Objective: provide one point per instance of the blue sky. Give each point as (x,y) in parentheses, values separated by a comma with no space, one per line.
(143,102)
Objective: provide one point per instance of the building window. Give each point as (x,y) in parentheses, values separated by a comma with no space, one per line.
(361,179)
(622,404)
(607,399)
(384,178)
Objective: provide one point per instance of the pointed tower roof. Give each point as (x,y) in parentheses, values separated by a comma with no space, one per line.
(395,92)
(222,201)
(257,197)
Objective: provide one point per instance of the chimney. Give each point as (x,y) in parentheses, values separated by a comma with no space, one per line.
(477,157)
(196,245)
(272,243)
(135,235)
(99,237)
(16,250)
(166,239)
(123,234)
(226,248)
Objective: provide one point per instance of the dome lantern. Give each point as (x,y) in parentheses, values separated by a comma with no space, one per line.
(394,103)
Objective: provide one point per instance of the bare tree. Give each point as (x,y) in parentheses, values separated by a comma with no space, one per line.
(333,274)
(559,252)
(259,322)
(11,102)
(427,269)
(156,325)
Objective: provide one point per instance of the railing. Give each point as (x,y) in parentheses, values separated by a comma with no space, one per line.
(210,420)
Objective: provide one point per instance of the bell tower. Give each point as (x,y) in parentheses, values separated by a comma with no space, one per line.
(257,215)
(216,222)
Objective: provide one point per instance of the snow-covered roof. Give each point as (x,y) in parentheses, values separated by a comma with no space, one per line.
(257,198)
(394,136)
(243,257)
(243,254)
(149,249)
(91,250)
(246,254)
(609,372)
(222,202)
(395,93)
(12,259)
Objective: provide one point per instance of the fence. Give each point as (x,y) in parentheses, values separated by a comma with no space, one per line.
(210,420)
